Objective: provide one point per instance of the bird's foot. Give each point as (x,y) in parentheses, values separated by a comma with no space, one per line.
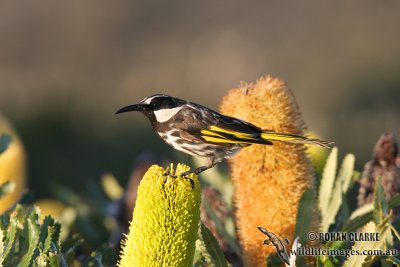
(190,181)
(169,172)
(184,175)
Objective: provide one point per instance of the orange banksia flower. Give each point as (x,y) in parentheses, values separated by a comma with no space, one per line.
(268,180)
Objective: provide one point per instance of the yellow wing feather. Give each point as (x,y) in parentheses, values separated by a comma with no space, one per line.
(221,140)
(236,134)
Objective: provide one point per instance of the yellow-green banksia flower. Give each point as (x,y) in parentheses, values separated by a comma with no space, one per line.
(164,227)
(268,180)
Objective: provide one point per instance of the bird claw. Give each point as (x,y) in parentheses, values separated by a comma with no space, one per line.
(190,181)
(184,175)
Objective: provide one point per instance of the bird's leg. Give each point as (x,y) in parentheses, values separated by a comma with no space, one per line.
(168,172)
(209,164)
(197,170)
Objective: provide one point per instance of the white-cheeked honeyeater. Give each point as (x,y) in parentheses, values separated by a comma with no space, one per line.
(200,131)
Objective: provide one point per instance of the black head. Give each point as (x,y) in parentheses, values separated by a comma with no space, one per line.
(158,108)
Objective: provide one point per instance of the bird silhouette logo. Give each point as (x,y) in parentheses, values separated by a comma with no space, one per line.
(273,240)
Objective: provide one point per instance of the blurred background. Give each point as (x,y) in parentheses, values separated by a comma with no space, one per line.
(67,66)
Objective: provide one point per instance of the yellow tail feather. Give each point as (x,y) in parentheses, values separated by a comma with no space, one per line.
(295,139)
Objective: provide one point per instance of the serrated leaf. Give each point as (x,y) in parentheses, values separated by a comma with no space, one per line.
(33,239)
(46,234)
(212,251)
(54,260)
(5,140)
(11,233)
(371,227)
(355,223)
(332,191)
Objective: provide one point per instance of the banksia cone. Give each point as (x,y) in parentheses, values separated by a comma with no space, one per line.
(165,221)
(12,166)
(268,180)
(384,164)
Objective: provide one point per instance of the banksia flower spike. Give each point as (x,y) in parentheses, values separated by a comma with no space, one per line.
(268,180)
(12,166)
(165,221)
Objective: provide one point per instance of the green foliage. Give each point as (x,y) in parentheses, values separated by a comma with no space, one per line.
(304,219)
(304,215)
(209,248)
(383,230)
(221,229)
(380,204)
(357,222)
(381,224)
(332,190)
(375,217)
(26,241)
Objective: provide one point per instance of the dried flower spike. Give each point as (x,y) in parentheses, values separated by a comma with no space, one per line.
(383,164)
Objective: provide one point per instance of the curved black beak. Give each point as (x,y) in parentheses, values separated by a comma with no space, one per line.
(136,107)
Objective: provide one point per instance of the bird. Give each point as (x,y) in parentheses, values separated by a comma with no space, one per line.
(200,131)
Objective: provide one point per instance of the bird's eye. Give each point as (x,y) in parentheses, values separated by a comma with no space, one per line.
(156,104)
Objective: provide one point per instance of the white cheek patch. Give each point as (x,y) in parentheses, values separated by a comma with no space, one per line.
(163,115)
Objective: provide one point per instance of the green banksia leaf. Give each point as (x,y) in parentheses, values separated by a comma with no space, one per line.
(380,204)
(371,227)
(33,238)
(332,190)
(210,249)
(358,221)
(11,233)
(327,181)
(163,230)
(305,212)
(220,226)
